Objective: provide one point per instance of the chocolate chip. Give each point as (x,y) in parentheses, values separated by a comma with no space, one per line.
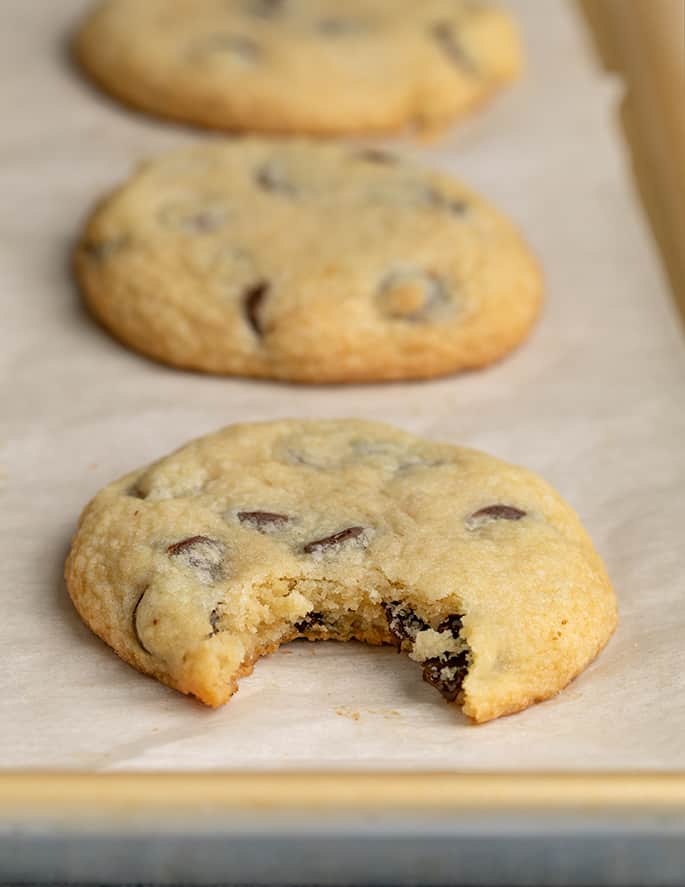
(452,623)
(262,520)
(412,295)
(403,623)
(375,155)
(311,621)
(332,541)
(242,48)
(215,620)
(444,35)
(492,513)
(446,673)
(203,554)
(134,492)
(271,177)
(134,619)
(252,301)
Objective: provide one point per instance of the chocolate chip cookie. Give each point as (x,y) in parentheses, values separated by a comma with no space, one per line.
(193,568)
(301,66)
(306,262)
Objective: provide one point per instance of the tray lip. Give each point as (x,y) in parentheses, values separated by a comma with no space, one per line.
(162,793)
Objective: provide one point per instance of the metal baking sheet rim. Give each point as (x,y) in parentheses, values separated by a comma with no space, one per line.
(78,797)
(343,828)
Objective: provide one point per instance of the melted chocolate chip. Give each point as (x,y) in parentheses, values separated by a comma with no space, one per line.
(375,155)
(311,621)
(446,673)
(403,623)
(495,512)
(215,620)
(444,35)
(262,519)
(134,620)
(252,301)
(452,624)
(332,541)
(202,554)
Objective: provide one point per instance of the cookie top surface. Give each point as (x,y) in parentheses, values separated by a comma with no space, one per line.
(306,262)
(243,539)
(307,66)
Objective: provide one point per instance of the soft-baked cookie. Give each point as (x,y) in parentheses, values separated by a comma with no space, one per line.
(301,66)
(196,566)
(306,262)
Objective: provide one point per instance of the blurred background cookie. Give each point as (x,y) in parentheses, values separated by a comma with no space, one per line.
(306,262)
(301,66)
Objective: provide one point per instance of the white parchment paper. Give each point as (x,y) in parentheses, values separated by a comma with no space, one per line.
(593,401)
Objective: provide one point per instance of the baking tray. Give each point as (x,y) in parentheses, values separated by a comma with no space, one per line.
(395,827)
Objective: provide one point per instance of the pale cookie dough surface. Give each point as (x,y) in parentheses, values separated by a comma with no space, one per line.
(242,540)
(310,263)
(301,66)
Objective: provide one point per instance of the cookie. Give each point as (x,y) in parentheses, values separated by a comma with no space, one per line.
(316,67)
(193,568)
(306,262)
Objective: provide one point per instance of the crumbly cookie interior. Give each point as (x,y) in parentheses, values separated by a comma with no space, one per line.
(298,607)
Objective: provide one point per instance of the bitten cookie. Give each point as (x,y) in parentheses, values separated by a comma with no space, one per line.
(309,263)
(301,66)
(193,568)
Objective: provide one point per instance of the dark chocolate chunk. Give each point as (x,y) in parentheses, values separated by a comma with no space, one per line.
(446,673)
(332,541)
(252,301)
(497,512)
(444,35)
(403,623)
(262,519)
(451,624)
(202,554)
(134,619)
(311,621)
